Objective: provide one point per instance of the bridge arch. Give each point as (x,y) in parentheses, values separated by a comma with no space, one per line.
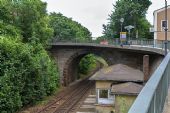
(70,70)
(68,56)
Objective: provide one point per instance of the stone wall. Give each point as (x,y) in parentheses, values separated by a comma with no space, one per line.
(68,58)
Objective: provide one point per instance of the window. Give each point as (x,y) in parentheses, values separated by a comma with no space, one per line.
(104,97)
(103,94)
(164,23)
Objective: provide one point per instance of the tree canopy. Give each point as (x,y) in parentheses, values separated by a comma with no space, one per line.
(28,18)
(67,29)
(134,13)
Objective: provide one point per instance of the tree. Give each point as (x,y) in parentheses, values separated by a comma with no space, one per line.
(67,29)
(133,12)
(29,17)
(33,21)
(7,27)
(27,72)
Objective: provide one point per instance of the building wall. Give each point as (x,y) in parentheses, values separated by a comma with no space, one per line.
(104,109)
(160,34)
(103,84)
(123,103)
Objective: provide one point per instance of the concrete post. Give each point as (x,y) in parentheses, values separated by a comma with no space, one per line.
(146,67)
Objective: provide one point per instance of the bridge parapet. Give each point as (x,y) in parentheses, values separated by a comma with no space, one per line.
(152,97)
(124,47)
(115,41)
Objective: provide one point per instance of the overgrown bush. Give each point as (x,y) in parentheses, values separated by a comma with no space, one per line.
(87,63)
(27,74)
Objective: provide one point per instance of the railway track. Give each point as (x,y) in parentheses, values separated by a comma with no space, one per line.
(67,100)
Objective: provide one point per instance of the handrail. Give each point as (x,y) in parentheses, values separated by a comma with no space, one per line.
(115,41)
(152,97)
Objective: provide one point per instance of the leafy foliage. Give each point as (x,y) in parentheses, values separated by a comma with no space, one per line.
(87,63)
(33,21)
(6,20)
(133,12)
(25,77)
(27,73)
(67,29)
(28,17)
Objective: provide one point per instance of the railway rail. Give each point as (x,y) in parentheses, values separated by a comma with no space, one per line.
(67,100)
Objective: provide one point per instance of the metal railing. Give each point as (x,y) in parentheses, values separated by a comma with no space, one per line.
(117,42)
(152,97)
(143,42)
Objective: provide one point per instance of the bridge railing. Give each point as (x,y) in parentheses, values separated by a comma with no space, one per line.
(117,42)
(143,42)
(152,97)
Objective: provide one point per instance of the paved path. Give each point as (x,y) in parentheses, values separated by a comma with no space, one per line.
(88,105)
(167,103)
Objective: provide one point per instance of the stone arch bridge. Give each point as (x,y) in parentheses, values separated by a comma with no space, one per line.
(68,56)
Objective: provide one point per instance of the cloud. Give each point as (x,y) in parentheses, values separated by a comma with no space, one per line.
(92,13)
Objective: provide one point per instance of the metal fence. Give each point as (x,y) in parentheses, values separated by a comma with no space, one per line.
(143,42)
(151,43)
(152,97)
(117,42)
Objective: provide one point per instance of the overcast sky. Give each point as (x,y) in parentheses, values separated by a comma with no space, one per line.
(92,13)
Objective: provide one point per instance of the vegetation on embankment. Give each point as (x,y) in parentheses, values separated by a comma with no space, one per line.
(90,64)
(27,72)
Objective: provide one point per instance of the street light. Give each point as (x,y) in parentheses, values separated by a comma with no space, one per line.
(129,27)
(166,27)
(121,21)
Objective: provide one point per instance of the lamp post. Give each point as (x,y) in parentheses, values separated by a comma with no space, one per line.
(129,27)
(166,27)
(121,21)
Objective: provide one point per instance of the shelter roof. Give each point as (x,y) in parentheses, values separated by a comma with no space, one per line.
(119,72)
(128,88)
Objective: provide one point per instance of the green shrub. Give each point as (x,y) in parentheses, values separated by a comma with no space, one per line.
(87,63)
(27,74)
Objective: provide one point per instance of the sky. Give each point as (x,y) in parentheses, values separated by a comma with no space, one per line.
(92,14)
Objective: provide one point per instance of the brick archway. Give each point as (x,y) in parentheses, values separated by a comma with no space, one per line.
(70,70)
(67,58)
(71,67)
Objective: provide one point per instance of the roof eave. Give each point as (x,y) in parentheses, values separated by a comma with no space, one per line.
(124,93)
(161,9)
(117,80)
